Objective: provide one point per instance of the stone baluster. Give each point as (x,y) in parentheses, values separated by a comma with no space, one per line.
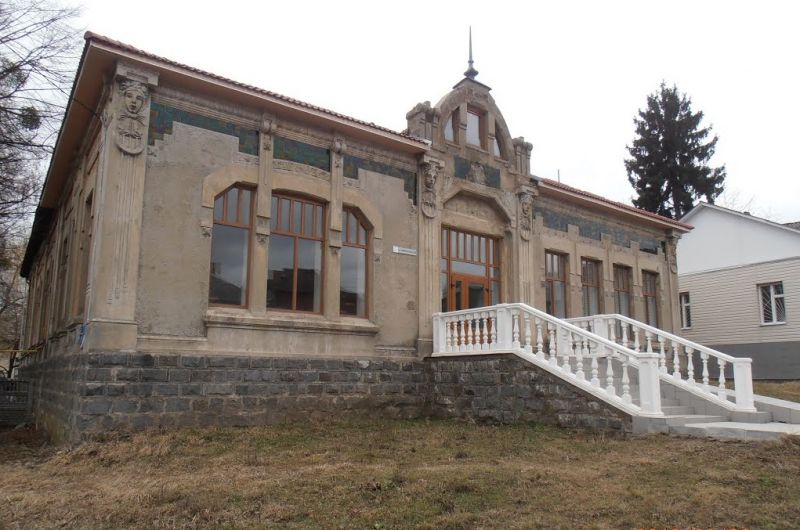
(624,327)
(448,334)
(515,323)
(662,355)
(676,361)
(580,346)
(553,346)
(704,358)
(565,365)
(484,333)
(462,334)
(493,330)
(612,331)
(595,368)
(689,365)
(636,344)
(528,347)
(723,393)
(626,382)
(610,374)
(539,340)
(649,338)
(471,332)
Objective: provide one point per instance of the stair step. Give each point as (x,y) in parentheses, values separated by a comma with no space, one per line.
(677,410)
(729,430)
(687,419)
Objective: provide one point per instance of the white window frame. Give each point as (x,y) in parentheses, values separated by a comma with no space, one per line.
(686,309)
(772,297)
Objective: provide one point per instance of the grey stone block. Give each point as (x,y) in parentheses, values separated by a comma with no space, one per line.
(144,360)
(99,405)
(125,406)
(127,374)
(177,375)
(177,405)
(166,389)
(221,362)
(218,389)
(192,361)
(167,361)
(154,374)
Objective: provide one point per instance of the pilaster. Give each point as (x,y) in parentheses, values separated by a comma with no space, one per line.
(428,249)
(260,242)
(115,260)
(332,257)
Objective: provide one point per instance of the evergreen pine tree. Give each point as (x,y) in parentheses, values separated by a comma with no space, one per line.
(668,167)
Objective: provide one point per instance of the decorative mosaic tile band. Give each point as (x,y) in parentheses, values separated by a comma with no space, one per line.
(353,163)
(302,153)
(593,229)
(462,167)
(163,116)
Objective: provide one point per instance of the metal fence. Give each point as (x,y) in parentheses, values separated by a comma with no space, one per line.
(16,398)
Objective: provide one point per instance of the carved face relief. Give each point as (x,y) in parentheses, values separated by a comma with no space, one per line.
(130,130)
(430,172)
(134,100)
(526,207)
(476,174)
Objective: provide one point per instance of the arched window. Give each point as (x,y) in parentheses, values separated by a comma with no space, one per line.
(450,127)
(294,271)
(353,286)
(230,247)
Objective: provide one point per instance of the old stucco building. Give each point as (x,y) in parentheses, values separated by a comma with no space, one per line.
(209,252)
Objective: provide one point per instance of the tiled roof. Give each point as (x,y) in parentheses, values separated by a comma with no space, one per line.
(94,37)
(632,209)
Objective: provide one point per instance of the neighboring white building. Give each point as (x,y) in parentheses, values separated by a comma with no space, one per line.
(739,282)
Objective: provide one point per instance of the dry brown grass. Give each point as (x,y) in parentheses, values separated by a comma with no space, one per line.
(397,474)
(788,390)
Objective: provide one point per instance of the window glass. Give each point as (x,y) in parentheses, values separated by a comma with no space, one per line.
(245,206)
(309,275)
(286,206)
(273,220)
(228,265)
(650,294)
(556,284)
(352,297)
(686,311)
(232,201)
(773,303)
(590,279)
(297,217)
(495,147)
(473,128)
(448,130)
(622,290)
(219,204)
(308,219)
(280,272)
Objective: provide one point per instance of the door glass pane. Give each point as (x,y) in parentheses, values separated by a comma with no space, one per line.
(476,296)
(443,290)
(319,221)
(280,272)
(228,278)
(308,219)
(296,216)
(309,275)
(285,211)
(457,294)
(352,293)
(468,268)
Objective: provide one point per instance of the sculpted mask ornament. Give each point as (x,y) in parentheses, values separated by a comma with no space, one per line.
(338,149)
(130,133)
(672,254)
(525,214)
(476,174)
(430,172)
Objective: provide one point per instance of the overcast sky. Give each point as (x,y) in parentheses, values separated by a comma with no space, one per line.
(568,76)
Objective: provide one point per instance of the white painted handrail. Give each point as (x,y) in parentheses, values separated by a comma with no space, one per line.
(677,353)
(564,349)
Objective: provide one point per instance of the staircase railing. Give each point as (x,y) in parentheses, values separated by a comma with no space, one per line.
(677,358)
(562,348)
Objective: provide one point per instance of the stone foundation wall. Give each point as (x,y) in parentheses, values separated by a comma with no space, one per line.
(83,394)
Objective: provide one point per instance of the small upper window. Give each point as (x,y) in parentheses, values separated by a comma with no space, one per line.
(449,132)
(495,147)
(773,306)
(474,128)
(686,311)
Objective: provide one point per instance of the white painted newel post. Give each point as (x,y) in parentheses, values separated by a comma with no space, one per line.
(504,328)
(649,384)
(743,381)
(439,333)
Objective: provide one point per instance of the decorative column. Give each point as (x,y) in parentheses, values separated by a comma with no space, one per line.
(120,192)
(428,249)
(332,258)
(526,259)
(260,244)
(671,284)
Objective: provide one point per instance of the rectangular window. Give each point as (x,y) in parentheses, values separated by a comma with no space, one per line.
(449,131)
(230,247)
(294,268)
(686,311)
(773,305)
(591,281)
(474,128)
(86,243)
(622,290)
(353,284)
(650,294)
(556,284)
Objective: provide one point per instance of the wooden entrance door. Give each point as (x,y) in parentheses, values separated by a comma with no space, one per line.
(468,292)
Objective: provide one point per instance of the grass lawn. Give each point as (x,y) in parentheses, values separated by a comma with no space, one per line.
(398,474)
(788,390)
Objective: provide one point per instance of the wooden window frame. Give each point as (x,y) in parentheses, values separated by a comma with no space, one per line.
(550,281)
(685,303)
(248,226)
(628,292)
(491,262)
(646,295)
(275,229)
(346,242)
(598,268)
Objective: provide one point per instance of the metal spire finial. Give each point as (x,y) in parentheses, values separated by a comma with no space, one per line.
(471,71)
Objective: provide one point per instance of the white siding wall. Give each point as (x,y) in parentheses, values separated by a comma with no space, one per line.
(724,239)
(726,307)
